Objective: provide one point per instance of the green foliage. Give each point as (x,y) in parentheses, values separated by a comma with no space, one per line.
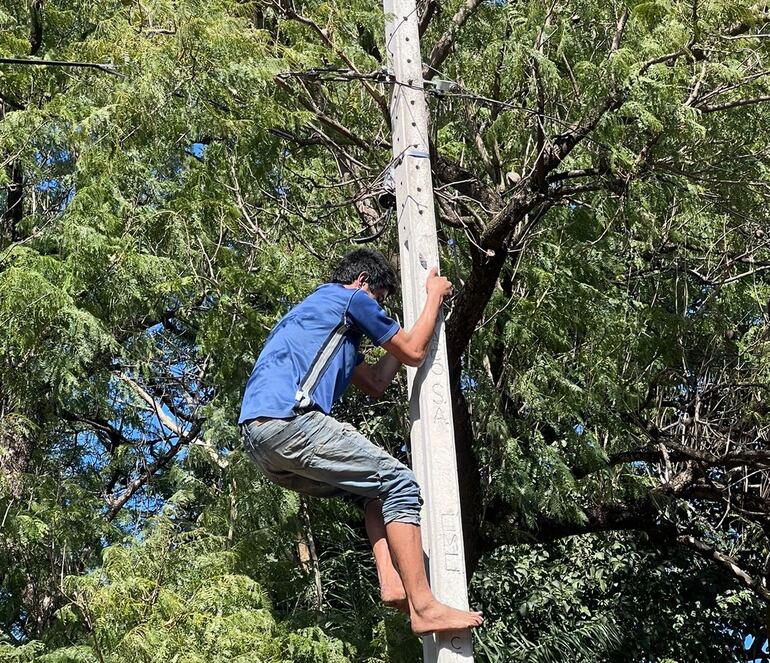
(589,599)
(22,654)
(173,213)
(178,596)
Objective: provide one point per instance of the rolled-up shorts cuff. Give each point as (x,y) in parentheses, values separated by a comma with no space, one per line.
(407,518)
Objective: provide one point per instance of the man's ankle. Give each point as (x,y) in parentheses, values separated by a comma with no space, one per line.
(423,603)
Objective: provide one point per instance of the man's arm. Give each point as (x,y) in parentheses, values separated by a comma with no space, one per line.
(405,347)
(411,347)
(374,379)
(408,348)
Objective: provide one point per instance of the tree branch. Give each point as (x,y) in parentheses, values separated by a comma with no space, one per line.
(101,426)
(723,89)
(619,30)
(521,203)
(105,67)
(431,6)
(728,563)
(570,174)
(473,298)
(539,124)
(452,174)
(118,503)
(290,13)
(643,515)
(564,143)
(184,436)
(733,104)
(328,121)
(444,45)
(153,406)
(640,515)
(759,459)
(573,191)
(14,200)
(35,26)
(660,60)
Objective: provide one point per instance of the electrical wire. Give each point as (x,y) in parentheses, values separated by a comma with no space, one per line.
(441,89)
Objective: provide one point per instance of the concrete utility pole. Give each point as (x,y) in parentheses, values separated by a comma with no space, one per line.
(430,404)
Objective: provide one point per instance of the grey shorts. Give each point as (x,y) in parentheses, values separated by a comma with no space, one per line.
(317,455)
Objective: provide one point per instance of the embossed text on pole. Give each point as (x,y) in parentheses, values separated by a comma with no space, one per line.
(430,406)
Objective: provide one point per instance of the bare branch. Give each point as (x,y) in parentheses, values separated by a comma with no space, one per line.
(759,15)
(696,87)
(318,137)
(153,406)
(325,119)
(496,84)
(575,190)
(118,503)
(660,60)
(14,201)
(427,15)
(444,45)
(743,275)
(727,562)
(619,30)
(105,67)
(570,174)
(723,89)
(489,166)
(101,426)
(290,13)
(734,104)
(539,126)
(35,26)
(183,438)
(758,35)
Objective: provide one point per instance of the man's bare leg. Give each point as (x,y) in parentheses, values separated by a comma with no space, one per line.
(391,588)
(427,614)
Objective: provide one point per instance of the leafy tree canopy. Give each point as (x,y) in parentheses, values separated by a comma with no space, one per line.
(601,185)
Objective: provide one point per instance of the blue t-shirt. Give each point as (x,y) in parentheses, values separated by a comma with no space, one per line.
(309,357)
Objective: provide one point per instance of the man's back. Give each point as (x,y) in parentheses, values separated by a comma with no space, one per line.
(309,357)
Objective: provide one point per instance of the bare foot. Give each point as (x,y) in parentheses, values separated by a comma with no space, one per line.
(392,590)
(401,606)
(436,616)
(392,594)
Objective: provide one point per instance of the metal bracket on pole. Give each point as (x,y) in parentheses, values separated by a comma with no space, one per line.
(430,403)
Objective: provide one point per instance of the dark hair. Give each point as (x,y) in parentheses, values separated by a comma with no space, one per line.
(382,276)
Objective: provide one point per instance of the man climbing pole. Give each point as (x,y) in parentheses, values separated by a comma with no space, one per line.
(307,362)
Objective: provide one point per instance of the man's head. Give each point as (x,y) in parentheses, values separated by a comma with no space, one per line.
(367,269)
